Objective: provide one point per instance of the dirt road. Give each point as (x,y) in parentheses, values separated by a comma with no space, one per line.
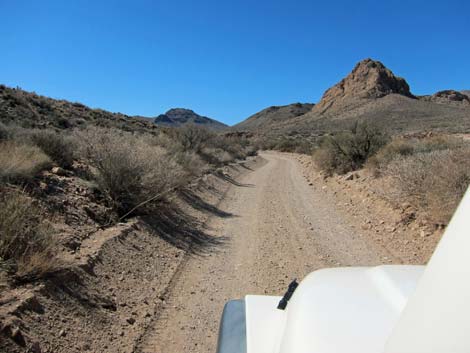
(275,227)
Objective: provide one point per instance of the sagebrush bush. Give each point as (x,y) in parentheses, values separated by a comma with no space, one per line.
(129,170)
(26,240)
(20,162)
(192,137)
(435,181)
(348,151)
(57,146)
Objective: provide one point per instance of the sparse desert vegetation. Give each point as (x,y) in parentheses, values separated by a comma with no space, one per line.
(349,150)
(99,209)
(431,172)
(133,172)
(433,177)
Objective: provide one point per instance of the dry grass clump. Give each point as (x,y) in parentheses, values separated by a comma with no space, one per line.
(19,162)
(434,181)
(26,240)
(129,170)
(349,150)
(401,147)
(5,133)
(57,146)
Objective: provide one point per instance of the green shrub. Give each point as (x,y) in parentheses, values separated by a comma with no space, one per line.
(57,146)
(19,163)
(347,151)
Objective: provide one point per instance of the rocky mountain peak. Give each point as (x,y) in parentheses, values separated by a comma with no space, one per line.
(369,79)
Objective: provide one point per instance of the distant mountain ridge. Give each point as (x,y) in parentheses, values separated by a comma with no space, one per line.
(179,116)
(370,92)
(30,110)
(274,114)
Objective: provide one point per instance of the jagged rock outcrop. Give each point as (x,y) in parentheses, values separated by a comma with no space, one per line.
(369,79)
(448,97)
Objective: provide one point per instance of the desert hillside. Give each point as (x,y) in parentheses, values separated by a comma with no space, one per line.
(273,115)
(373,93)
(119,234)
(31,110)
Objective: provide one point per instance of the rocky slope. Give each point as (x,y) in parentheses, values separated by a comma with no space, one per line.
(179,116)
(30,110)
(373,93)
(111,281)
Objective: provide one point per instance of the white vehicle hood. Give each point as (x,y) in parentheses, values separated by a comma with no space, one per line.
(333,311)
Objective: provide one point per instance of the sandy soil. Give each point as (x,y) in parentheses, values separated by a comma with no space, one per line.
(277,226)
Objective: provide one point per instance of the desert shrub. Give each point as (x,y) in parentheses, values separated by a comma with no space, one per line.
(129,170)
(26,240)
(293,144)
(191,162)
(216,156)
(394,149)
(233,145)
(400,147)
(58,147)
(437,143)
(193,137)
(349,150)
(434,181)
(20,162)
(211,148)
(5,132)
(168,141)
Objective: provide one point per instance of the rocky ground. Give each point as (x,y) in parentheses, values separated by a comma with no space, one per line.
(110,283)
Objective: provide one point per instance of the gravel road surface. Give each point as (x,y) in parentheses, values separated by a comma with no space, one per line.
(275,226)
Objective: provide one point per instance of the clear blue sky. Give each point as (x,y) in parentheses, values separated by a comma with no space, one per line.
(224,59)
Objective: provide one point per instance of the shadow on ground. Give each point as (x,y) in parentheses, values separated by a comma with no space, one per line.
(182,230)
(230,180)
(199,204)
